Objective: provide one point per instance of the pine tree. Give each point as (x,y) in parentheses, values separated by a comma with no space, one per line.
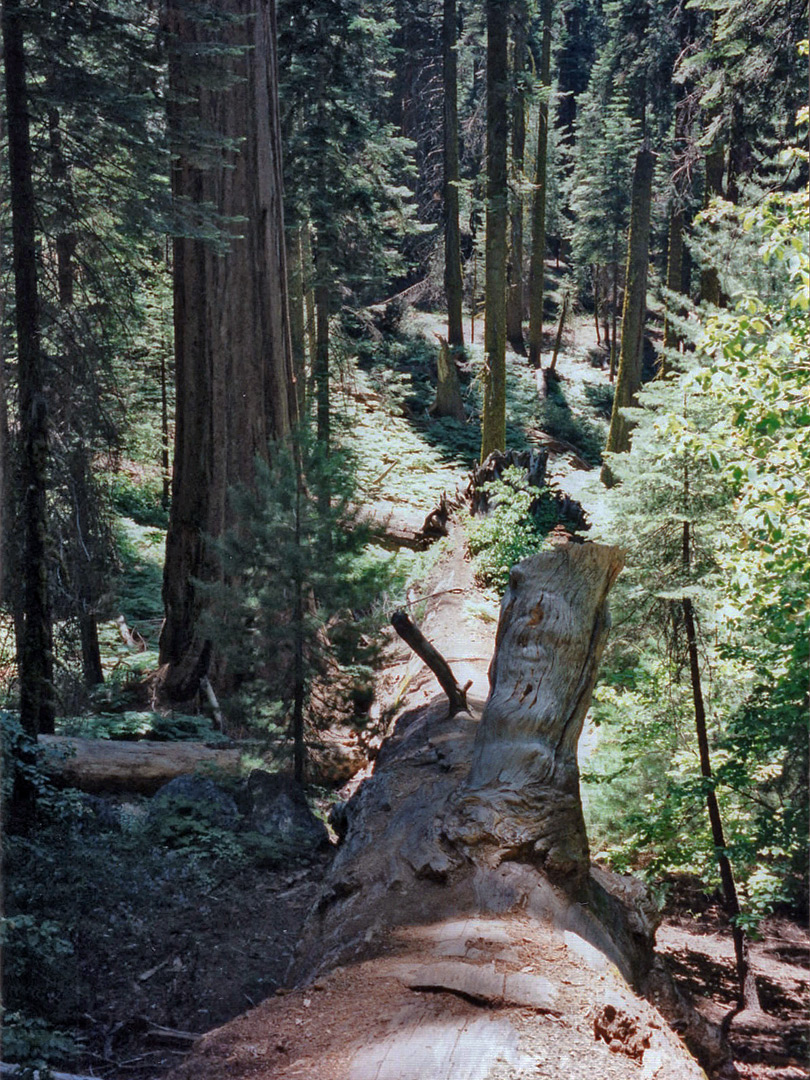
(493,415)
(537,270)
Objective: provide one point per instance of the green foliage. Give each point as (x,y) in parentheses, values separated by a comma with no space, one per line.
(558,419)
(131,725)
(139,500)
(724,446)
(519,519)
(300,593)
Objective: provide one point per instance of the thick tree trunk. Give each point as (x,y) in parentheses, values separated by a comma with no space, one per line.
(635,307)
(453,286)
(322,303)
(521,799)
(35,650)
(515,290)
(235,387)
(493,418)
(538,259)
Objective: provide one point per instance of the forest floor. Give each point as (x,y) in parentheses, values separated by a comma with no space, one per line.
(168,960)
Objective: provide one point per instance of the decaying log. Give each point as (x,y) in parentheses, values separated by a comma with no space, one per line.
(522,794)
(130,637)
(413,636)
(532,462)
(105,765)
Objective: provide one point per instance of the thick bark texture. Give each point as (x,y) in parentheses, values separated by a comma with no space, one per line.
(35,649)
(235,387)
(452,237)
(538,258)
(522,795)
(493,418)
(448,388)
(635,307)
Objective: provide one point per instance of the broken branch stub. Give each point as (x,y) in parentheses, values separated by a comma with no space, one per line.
(413,636)
(522,797)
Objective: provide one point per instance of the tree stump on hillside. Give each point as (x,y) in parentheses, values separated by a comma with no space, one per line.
(521,799)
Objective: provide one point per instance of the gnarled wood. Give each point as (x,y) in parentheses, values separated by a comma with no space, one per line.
(522,794)
(413,636)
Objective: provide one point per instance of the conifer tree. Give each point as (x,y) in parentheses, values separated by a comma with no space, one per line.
(538,256)
(493,416)
(235,387)
(453,286)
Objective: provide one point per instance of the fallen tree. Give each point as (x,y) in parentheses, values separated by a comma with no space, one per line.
(460,885)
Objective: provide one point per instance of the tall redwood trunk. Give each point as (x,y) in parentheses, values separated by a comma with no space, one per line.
(452,236)
(493,419)
(233,367)
(35,649)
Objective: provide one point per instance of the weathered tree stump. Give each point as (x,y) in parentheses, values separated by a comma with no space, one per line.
(522,795)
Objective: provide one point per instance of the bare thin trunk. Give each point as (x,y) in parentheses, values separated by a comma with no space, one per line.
(493,418)
(452,238)
(635,307)
(515,290)
(538,259)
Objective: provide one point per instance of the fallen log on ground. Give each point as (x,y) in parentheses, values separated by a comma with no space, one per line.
(441,900)
(112,766)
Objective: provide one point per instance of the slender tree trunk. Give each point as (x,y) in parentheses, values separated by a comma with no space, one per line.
(709,278)
(233,366)
(597,299)
(295,267)
(453,286)
(748,995)
(614,308)
(299,678)
(322,296)
(308,276)
(493,419)
(558,339)
(674,276)
(515,290)
(635,307)
(35,651)
(538,258)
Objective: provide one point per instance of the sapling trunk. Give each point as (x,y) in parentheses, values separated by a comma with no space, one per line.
(747,990)
(452,237)
(538,265)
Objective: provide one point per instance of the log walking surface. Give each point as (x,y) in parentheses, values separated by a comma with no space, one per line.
(419,964)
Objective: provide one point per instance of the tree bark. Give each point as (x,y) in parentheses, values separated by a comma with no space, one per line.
(635,307)
(413,636)
(515,290)
(233,367)
(298,340)
(448,390)
(493,419)
(35,651)
(452,237)
(538,258)
(714,166)
(521,798)
(674,277)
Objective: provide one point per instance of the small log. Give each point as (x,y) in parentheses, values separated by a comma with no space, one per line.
(412,636)
(105,765)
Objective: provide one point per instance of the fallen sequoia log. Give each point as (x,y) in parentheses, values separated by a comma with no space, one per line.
(113,766)
(464,881)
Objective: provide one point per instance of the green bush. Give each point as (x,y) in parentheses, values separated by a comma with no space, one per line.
(516,526)
(142,501)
